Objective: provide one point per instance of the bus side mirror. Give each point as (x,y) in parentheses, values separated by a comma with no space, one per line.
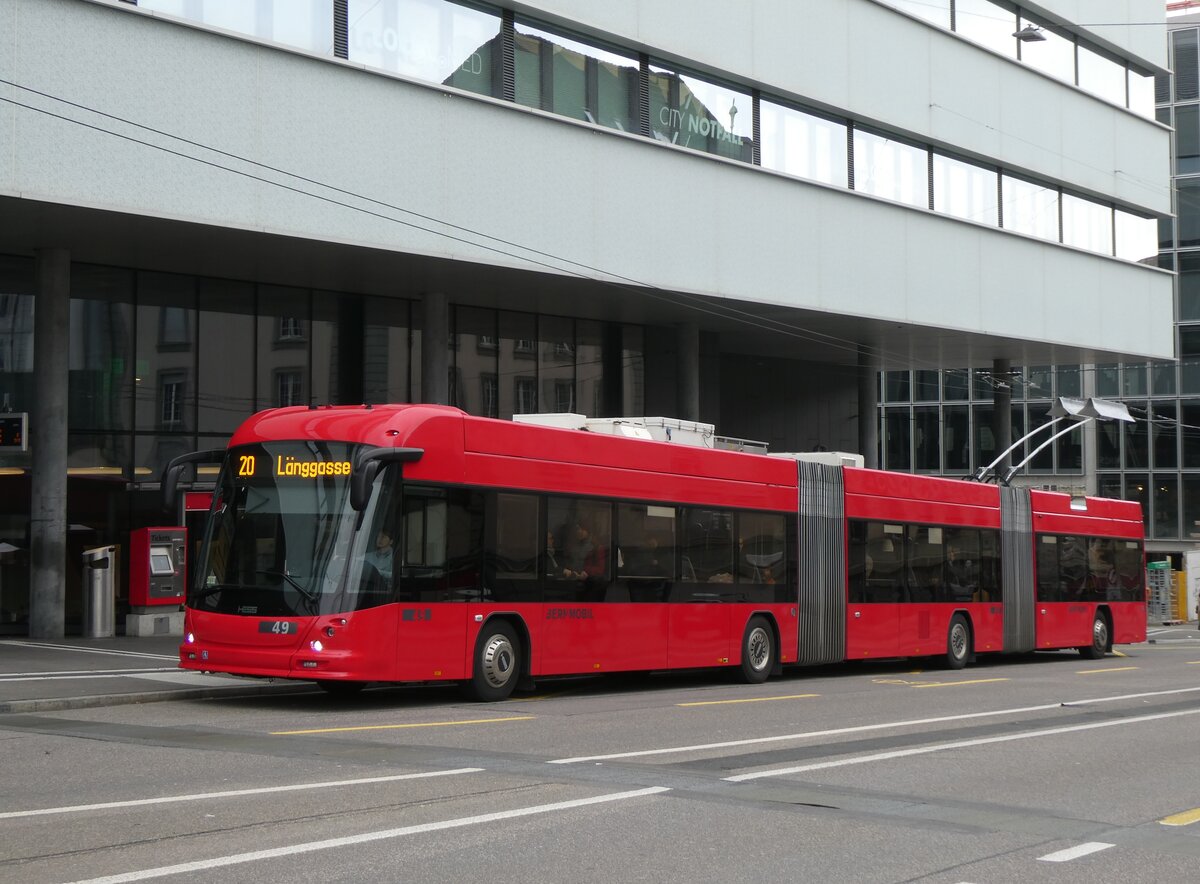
(170,479)
(367,466)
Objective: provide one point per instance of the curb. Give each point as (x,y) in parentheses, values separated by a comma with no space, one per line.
(60,704)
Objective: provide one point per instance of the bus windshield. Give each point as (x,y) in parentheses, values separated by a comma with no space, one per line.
(279,535)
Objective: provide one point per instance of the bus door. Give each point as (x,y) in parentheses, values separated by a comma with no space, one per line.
(1063,610)
(877,590)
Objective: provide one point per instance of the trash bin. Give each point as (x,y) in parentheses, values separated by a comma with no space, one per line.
(99,592)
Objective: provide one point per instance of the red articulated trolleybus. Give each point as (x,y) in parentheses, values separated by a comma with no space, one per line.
(416,543)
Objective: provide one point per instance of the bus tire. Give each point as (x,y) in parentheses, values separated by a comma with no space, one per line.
(958,642)
(1099,646)
(341,689)
(758,651)
(497,667)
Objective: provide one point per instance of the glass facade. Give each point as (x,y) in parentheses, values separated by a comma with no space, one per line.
(480,48)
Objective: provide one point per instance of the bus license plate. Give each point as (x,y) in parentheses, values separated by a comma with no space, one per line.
(279,627)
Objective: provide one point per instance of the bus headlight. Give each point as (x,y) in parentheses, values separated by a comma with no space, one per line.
(191,638)
(316,646)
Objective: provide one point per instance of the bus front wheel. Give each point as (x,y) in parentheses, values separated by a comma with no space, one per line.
(758,651)
(1099,646)
(497,662)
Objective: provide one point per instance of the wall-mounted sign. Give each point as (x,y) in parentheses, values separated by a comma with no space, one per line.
(14,432)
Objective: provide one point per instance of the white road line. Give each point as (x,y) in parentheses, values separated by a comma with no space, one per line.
(109,673)
(49,647)
(366,837)
(1062,856)
(235,793)
(958,744)
(755,741)
(66,673)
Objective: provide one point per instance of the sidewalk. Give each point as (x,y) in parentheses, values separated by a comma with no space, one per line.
(74,673)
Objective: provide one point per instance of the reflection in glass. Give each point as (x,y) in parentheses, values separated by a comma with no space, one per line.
(573,79)
(936,11)
(891,169)
(1101,75)
(556,364)
(1055,55)
(1187,139)
(98,455)
(283,346)
(518,364)
(1166,507)
(431,40)
(101,379)
(1191,507)
(1068,380)
(1187,211)
(386,350)
(1186,66)
(802,144)
(987,23)
(164,387)
(1087,225)
(695,113)
(225,331)
(1164,433)
(1141,94)
(589,367)
(956,439)
(475,361)
(964,190)
(926,438)
(897,441)
(633,370)
(1030,208)
(1137,440)
(1137,237)
(307,24)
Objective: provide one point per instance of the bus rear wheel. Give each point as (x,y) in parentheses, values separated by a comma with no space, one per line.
(1099,646)
(497,663)
(758,651)
(958,643)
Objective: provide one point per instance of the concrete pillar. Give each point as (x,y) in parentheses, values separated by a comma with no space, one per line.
(868,407)
(48,444)
(435,351)
(687,370)
(1001,412)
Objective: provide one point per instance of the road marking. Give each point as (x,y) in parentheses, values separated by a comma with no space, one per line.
(1117,653)
(1193,662)
(1182,819)
(366,837)
(235,793)
(1106,669)
(748,700)
(934,684)
(392,727)
(79,673)
(958,744)
(49,647)
(1062,856)
(731,744)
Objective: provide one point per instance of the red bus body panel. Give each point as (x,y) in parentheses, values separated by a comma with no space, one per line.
(423,642)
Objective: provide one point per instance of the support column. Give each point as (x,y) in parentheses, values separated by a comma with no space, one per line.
(868,407)
(435,352)
(1001,412)
(48,444)
(687,370)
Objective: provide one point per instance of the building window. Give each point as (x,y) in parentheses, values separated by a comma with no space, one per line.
(1087,225)
(525,395)
(170,398)
(564,396)
(174,327)
(989,24)
(965,190)
(431,40)
(486,343)
(1030,208)
(524,347)
(489,395)
(289,389)
(701,115)
(802,144)
(290,329)
(307,24)
(891,169)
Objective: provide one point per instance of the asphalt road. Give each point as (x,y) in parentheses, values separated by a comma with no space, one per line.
(1039,768)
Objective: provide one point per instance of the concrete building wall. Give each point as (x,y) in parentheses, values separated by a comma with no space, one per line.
(657,214)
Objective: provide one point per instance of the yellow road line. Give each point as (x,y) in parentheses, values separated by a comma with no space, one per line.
(1108,669)
(748,700)
(388,727)
(1117,653)
(1181,819)
(951,684)
(1193,662)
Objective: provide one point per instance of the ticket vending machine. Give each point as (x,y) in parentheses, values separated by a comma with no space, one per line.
(157,581)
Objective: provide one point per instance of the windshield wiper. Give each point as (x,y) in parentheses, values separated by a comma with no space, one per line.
(299,587)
